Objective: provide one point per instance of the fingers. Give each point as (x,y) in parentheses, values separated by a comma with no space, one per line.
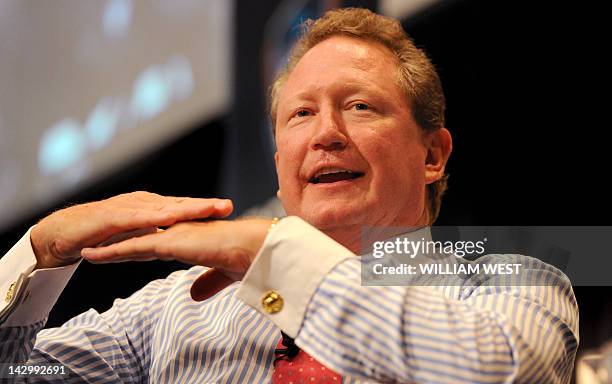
(182,242)
(208,284)
(136,212)
(186,209)
(128,235)
(142,248)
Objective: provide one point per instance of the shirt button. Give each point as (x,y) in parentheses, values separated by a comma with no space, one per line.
(272,302)
(9,293)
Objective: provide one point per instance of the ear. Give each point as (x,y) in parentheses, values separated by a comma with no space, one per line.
(278,193)
(439,144)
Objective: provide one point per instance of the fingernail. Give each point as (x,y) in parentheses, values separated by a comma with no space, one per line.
(220,205)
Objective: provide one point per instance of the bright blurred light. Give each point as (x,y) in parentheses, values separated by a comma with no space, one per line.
(61,146)
(150,95)
(102,123)
(117,17)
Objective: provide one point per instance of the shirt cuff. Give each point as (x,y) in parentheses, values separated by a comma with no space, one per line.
(27,296)
(292,263)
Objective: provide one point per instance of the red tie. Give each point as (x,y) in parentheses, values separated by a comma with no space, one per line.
(292,365)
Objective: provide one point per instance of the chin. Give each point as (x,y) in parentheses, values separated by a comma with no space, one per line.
(331,216)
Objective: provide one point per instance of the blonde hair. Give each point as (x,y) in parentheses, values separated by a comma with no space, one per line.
(416,74)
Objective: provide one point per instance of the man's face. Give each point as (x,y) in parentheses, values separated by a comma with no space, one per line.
(348,149)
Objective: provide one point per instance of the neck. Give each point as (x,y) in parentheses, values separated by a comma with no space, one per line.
(352,237)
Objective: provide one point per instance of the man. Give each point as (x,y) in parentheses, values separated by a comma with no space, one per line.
(358,117)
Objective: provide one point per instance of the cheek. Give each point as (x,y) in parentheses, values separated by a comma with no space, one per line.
(285,172)
(288,166)
(289,143)
(398,165)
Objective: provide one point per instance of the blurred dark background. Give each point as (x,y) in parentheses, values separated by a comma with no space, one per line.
(522,83)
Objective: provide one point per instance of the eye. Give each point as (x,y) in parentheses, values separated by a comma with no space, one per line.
(361,107)
(302,113)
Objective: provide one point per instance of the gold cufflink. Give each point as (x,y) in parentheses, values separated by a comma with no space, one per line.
(9,293)
(272,302)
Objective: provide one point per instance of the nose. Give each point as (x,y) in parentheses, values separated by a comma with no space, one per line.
(330,133)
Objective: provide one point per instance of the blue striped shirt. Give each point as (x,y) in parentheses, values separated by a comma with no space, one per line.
(447,334)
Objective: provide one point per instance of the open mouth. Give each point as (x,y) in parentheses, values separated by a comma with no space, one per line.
(334,176)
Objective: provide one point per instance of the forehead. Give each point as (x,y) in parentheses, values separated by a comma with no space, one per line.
(343,62)
(359,52)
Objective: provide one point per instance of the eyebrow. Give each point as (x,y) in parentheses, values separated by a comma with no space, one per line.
(348,87)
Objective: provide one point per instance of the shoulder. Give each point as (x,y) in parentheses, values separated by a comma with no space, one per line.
(533,271)
(528,262)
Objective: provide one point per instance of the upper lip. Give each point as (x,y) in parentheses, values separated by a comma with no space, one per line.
(330,168)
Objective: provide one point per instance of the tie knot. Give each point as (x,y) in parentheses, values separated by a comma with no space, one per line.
(292,365)
(290,351)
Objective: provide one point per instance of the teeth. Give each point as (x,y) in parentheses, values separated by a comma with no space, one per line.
(330,171)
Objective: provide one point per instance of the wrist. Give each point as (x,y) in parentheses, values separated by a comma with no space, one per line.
(264,228)
(255,230)
(44,253)
(41,254)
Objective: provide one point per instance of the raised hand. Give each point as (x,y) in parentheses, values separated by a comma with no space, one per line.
(58,239)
